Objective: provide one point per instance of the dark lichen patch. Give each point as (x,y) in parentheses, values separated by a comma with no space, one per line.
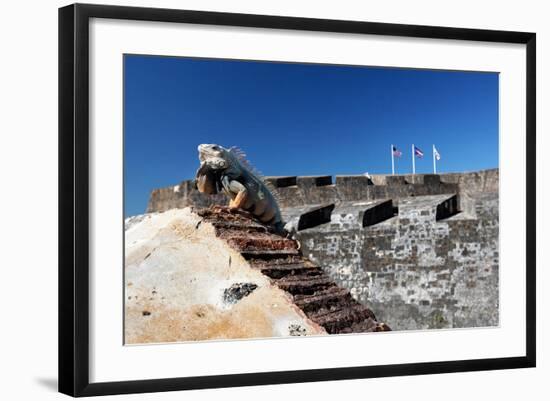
(296,330)
(438,320)
(237,292)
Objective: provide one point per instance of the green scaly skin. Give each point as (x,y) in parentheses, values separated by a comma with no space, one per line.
(223,169)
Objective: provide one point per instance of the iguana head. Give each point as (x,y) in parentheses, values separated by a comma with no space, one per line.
(215,156)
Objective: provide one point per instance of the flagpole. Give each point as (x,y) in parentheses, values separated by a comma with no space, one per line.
(414,170)
(392,162)
(433,154)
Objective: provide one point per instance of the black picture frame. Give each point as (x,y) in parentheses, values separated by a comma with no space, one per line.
(74,198)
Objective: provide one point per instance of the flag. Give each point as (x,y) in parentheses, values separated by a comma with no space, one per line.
(397,152)
(418,152)
(437,155)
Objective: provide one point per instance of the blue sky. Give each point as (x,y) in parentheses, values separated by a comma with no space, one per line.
(300,119)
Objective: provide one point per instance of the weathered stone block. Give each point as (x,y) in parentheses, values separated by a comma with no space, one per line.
(282,181)
(313,181)
(432,180)
(395,180)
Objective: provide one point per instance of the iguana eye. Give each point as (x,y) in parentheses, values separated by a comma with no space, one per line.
(215,148)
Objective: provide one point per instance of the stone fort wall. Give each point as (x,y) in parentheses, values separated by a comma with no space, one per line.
(421,250)
(294,191)
(415,270)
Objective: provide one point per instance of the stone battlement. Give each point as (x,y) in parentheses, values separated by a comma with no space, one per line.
(296,191)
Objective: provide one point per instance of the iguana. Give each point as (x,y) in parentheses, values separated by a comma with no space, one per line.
(228,170)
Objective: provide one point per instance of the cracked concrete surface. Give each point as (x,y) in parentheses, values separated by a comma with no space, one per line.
(176,272)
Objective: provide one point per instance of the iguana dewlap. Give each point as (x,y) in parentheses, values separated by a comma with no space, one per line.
(227,170)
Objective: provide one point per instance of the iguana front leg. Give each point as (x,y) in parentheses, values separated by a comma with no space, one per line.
(205,180)
(238,193)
